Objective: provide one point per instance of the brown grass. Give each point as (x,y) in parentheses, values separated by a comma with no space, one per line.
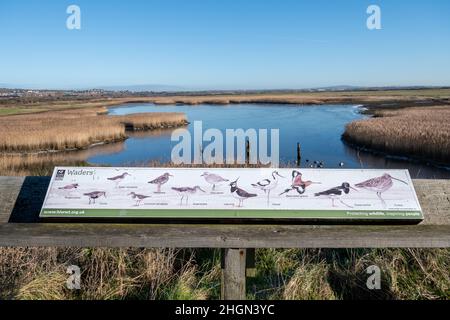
(416,132)
(75,129)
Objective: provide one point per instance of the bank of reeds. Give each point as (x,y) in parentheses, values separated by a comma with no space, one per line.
(75,129)
(415,132)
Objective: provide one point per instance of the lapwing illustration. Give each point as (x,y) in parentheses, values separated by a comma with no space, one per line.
(118,179)
(379,185)
(239,193)
(70,186)
(335,193)
(213,179)
(95,195)
(160,181)
(138,197)
(186,192)
(298,184)
(268,185)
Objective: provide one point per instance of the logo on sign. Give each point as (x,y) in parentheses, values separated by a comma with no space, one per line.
(60,174)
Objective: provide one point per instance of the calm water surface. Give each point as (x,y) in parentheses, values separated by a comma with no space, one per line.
(317,128)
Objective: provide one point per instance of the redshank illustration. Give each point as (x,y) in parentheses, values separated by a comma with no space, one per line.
(118,179)
(336,192)
(379,185)
(70,186)
(95,195)
(239,193)
(213,179)
(268,185)
(298,184)
(160,181)
(138,197)
(186,192)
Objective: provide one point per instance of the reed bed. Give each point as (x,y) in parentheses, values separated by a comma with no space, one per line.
(75,129)
(415,132)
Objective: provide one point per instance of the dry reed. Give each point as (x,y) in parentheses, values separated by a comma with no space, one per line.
(417,132)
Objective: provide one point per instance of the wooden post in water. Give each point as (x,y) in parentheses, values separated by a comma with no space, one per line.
(247,151)
(233,274)
(299,155)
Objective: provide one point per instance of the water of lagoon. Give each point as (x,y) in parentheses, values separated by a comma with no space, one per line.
(317,128)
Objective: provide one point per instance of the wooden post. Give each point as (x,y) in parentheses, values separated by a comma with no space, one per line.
(247,151)
(299,155)
(233,274)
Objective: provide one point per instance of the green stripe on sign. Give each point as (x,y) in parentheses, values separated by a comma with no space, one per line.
(265,214)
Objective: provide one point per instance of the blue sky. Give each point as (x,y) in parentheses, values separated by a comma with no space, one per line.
(226,44)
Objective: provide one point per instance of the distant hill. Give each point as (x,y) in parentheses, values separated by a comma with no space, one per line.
(145,87)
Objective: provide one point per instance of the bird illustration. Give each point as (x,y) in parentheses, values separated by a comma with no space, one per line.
(186,192)
(118,179)
(239,193)
(298,184)
(70,186)
(160,181)
(336,192)
(379,185)
(213,179)
(268,185)
(95,195)
(138,197)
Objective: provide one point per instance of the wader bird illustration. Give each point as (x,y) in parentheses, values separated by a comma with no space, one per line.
(70,186)
(186,192)
(160,181)
(268,184)
(298,184)
(95,195)
(239,193)
(379,185)
(335,193)
(118,179)
(138,197)
(213,179)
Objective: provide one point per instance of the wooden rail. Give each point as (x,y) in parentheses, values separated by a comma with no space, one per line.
(21,199)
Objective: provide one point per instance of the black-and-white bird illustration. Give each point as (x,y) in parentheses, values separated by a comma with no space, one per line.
(118,179)
(336,193)
(160,181)
(268,185)
(213,179)
(94,195)
(239,193)
(379,185)
(70,186)
(298,184)
(138,197)
(186,192)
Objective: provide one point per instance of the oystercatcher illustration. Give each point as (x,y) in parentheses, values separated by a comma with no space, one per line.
(138,197)
(213,179)
(336,192)
(70,186)
(379,185)
(239,193)
(268,185)
(118,179)
(160,181)
(186,192)
(298,184)
(95,195)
